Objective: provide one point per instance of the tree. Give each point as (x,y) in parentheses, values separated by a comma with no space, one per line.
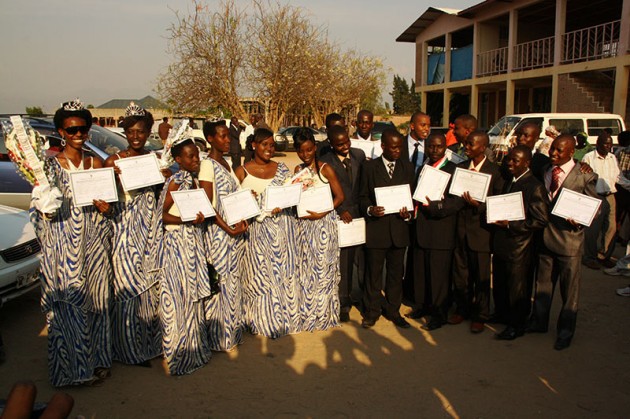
(34,111)
(405,98)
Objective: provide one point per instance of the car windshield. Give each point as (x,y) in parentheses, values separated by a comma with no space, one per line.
(504,126)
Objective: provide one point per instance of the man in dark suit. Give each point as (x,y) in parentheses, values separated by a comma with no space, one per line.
(562,244)
(387,235)
(464,125)
(471,268)
(434,241)
(512,262)
(346,162)
(235,142)
(332,120)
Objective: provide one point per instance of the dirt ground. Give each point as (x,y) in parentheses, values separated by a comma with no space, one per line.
(353,372)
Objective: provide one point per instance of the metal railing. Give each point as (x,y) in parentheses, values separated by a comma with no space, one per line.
(594,43)
(492,62)
(534,54)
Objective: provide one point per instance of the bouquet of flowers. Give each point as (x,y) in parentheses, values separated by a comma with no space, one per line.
(305,177)
(25,149)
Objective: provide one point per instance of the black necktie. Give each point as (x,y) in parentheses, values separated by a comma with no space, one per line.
(414,156)
(348,166)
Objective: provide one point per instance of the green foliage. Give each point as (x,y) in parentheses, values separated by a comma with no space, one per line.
(405,99)
(34,111)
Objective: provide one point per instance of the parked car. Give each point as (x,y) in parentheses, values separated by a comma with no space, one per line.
(379,127)
(19,254)
(284,137)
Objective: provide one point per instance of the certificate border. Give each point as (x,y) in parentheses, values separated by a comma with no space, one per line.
(294,185)
(357,243)
(429,167)
(157,166)
(330,208)
(248,216)
(174,193)
(489,199)
(83,172)
(406,185)
(570,191)
(459,170)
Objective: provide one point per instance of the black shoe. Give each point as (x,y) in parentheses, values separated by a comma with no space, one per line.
(368,323)
(562,343)
(510,333)
(400,322)
(416,314)
(433,324)
(344,317)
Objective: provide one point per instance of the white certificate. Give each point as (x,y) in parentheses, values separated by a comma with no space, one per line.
(282,196)
(138,172)
(454,157)
(351,234)
(475,183)
(239,206)
(508,207)
(394,198)
(579,207)
(432,183)
(191,202)
(316,199)
(366,146)
(88,185)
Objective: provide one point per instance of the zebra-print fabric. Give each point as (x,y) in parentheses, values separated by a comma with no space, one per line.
(224,311)
(75,275)
(136,333)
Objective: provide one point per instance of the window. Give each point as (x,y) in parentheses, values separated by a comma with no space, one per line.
(597,126)
(567,126)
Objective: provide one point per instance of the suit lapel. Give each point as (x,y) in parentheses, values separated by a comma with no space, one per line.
(381,171)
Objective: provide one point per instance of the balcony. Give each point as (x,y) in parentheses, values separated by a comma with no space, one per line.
(534,54)
(594,43)
(492,62)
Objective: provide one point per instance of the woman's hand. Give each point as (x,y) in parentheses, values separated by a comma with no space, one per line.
(199,219)
(312,215)
(103,207)
(276,211)
(238,228)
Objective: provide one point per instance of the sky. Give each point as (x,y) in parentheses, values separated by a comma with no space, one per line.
(97,50)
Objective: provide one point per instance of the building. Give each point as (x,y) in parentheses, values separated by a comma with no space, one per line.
(109,112)
(502,57)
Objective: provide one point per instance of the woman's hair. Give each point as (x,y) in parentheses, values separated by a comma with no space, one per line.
(210,128)
(178,148)
(63,114)
(303,135)
(132,120)
(261,134)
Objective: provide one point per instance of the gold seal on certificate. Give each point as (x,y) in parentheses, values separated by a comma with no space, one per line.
(191,202)
(508,207)
(88,185)
(239,206)
(394,198)
(579,207)
(352,233)
(315,199)
(475,183)
(139,172)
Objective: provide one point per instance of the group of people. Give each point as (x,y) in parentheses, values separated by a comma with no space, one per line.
(130,281)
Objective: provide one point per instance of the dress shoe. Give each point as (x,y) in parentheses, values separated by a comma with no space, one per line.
(476,327)
(433,324)
(418,313)
(606,263)
(592,264)
(510,333)
(368,323)
(562,343)
(400,322)
(344,317)
(456,319)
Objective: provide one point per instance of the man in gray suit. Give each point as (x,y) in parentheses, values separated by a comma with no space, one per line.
(562,244)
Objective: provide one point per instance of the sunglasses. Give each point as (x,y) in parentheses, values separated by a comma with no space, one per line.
(74,130)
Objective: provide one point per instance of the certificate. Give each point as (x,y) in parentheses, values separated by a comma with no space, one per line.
(579,207)
(316,199)
(432,183)
(239,206)
(454,157)
(475,183)
(88,185)
(508,207)
(366,146)
(191,202)
(282,196)
(351,234)
(138,172)
(394,198)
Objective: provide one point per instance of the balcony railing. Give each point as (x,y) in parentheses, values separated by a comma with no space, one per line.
(534,54)
(594,43)
(492,62)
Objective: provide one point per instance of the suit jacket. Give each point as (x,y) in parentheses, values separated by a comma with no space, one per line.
(350,186)
(559,236)
(513,241)
(488,152)
(538,164)
(389,230)
(235,144)
(471,222)
(435,224)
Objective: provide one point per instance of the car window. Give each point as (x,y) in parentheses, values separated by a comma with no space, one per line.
(537,121)
(107,141)
(504,125)
(568,126)
(597,126)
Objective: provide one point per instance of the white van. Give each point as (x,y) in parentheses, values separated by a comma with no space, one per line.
(567,123)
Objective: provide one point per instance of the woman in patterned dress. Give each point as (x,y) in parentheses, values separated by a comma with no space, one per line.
(183,271)
(75,268)
(136,335)
(270,291)
(318,242)
(225,244)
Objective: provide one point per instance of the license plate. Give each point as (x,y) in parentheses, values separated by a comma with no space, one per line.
(27,279)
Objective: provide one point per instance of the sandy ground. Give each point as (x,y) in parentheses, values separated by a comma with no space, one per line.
(353,372)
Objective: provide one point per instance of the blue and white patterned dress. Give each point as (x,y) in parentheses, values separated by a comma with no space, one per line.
(224,311)
(270,290)
(136,332)
(319,274)
(75,274)
(179,261)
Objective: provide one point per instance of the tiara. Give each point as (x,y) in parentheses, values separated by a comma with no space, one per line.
(134,110)
(73,105)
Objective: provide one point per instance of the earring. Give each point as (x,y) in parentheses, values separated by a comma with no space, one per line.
(63,142)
